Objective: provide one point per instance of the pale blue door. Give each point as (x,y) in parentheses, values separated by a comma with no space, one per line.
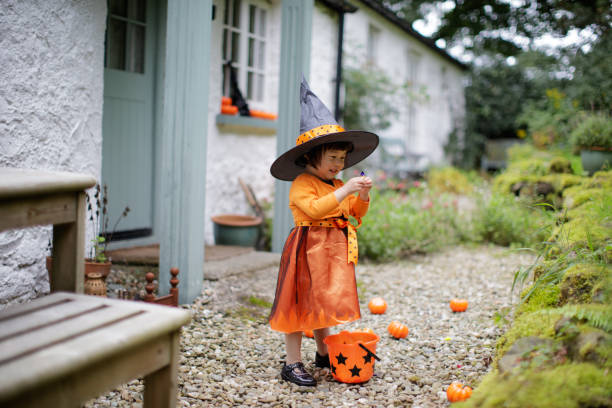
(128,120)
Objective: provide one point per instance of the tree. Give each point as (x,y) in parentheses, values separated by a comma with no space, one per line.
(503,27)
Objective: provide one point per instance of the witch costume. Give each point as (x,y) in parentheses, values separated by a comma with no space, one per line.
(316,285)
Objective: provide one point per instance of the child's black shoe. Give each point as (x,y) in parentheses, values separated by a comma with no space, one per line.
(297,374)
(322,361)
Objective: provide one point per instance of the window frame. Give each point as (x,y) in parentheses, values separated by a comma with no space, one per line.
(259,37)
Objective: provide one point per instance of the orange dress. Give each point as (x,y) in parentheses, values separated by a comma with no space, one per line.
(316,285)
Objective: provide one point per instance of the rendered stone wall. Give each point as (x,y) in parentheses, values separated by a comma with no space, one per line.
(51,92)
(232,152)
(442,105)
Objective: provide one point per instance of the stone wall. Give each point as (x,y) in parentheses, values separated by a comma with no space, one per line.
(51,54)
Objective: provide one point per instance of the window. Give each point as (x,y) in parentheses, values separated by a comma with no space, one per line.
(412,77)
(125,35)
(372,45)
(244,44)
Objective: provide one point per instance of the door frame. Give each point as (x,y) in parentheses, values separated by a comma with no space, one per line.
(157,126)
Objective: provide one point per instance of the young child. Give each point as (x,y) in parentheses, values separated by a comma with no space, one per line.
(316,285)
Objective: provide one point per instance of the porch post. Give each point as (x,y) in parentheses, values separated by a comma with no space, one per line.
(295,60)
(184,128)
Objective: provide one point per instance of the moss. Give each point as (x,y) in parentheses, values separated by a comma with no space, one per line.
(562,181)
(542,297)
(577,195)
(578,282)
(584,229)
(504,182)
(601,179)
(560,165)
(255,301)
(534,166)
(540,323)
(568,386)
(602,289)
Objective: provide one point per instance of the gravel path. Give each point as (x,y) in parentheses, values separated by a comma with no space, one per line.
(230,357)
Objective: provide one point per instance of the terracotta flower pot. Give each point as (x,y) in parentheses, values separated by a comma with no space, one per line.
(101,268)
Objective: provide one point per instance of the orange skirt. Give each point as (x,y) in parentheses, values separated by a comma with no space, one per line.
(316,287)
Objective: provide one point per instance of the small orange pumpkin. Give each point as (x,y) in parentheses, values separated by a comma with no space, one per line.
(377,305)
(458,392)
(458,305)
(309,333)
(397,330)
(367,330)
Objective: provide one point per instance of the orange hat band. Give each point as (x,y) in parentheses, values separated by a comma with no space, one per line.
(318,131)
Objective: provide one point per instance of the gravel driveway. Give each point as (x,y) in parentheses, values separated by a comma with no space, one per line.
(230,357)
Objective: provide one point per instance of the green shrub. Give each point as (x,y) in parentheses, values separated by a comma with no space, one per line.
(448,180)
(398,224)
(593,131)
(504,220)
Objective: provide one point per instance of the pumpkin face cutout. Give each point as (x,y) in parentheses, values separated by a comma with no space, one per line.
(377,305)
(349,361)
(458,392)
(397,330)
(458,305)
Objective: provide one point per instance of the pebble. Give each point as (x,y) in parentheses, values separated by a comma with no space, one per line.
(230,357)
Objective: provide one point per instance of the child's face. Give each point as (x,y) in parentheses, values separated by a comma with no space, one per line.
(332,162)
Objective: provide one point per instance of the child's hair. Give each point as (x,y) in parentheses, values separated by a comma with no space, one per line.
(313,157)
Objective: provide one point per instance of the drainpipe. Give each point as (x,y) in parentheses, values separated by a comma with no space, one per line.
(342,7)
(339,65)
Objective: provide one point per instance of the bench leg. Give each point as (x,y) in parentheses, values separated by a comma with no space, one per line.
(160,387)
(69,251)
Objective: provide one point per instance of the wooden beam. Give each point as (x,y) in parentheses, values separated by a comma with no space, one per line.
(295,62)
(183,145)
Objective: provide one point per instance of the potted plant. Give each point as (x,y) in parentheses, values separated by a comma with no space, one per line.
(97,262)
(593,137)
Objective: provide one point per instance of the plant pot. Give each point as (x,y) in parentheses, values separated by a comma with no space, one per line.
(238,230)
(595,159)
(103,268)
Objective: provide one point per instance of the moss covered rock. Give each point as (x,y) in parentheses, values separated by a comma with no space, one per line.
(540,323)
(571,385)
(578,283)
(545,296)
(560,165)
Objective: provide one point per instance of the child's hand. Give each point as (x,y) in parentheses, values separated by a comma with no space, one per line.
(364,192)
(358,184)
(361,184)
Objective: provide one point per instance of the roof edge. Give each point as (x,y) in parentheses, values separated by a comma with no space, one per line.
(407,27)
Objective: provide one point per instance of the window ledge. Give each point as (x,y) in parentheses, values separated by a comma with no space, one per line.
(245,124)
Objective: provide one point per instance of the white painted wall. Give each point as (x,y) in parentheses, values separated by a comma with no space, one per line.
(444,103)
(51,65)
(235,153)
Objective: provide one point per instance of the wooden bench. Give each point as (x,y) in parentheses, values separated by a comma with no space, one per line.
(64,349)
(36,197)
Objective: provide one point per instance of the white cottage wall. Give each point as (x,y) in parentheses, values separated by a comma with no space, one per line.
(438,109)
(233,154)
(323,54)
(51,94)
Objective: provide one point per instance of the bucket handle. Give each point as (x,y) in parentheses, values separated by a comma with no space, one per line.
(369,352)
